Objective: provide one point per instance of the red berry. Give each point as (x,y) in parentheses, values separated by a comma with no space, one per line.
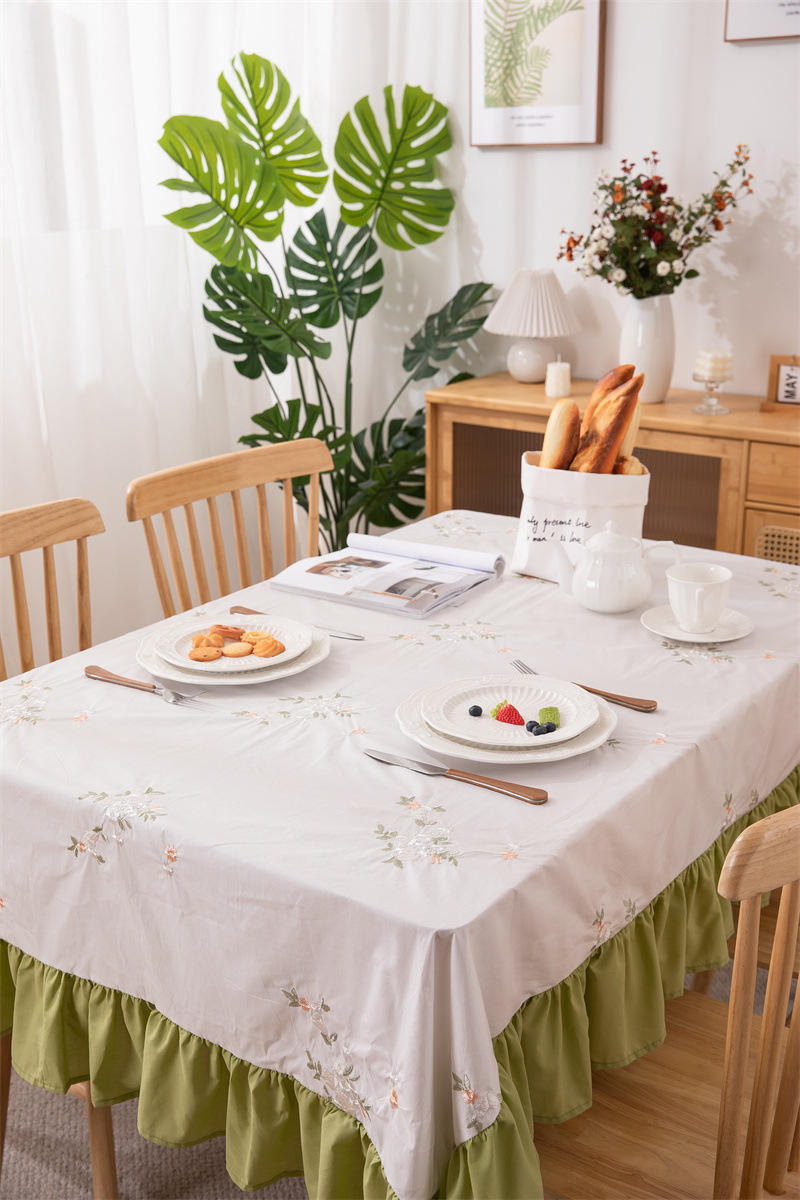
(509,714)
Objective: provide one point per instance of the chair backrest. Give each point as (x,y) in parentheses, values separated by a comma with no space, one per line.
(778,543)
(41,527)
(158,494)
(765,857)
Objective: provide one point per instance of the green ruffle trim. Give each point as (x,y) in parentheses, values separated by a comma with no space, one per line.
(608,1012)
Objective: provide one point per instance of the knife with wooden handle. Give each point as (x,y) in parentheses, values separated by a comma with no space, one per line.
(517,790)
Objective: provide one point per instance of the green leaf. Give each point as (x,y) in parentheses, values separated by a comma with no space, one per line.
(327,276)
(257,323)
(243,195)
(514,65)
(259,110)
(395,178)
(459,320)
(387,469)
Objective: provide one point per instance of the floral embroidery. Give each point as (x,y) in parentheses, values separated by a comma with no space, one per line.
(2,902)
(83,715)
(30,705)
(455,524)
(315,1009)
(431,840)
(753,799)
(337,1083)
(318,706)
(170,858)
(260,718)
(630,909)
(602,927)
(727,809)
(702,652)
(781,582)
(613,743)
(463,631)
(768,654)
(510,852)
(119,813)
(659,739)
(478,1106)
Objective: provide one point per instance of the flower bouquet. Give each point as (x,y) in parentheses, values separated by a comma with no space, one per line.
(641,236)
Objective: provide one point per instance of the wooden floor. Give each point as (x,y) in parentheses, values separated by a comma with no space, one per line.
(674,1150)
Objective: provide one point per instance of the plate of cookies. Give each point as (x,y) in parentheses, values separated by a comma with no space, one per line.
(234,649)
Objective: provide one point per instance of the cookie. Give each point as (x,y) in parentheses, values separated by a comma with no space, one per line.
(237,649)
(205,653)
(207,639)
(231,633)
(268,648)
(255,635)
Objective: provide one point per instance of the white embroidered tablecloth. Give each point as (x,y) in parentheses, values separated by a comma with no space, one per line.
(364,929)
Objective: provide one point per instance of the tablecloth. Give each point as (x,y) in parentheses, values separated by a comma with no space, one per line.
(253,877)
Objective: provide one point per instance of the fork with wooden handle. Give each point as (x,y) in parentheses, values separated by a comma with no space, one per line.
(613,697)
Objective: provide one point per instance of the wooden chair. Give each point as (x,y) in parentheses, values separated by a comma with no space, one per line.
(41,527)
(778,543)
(160,493)
(658,1126)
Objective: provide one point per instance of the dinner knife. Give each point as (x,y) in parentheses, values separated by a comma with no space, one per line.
(340,633)
(528,794)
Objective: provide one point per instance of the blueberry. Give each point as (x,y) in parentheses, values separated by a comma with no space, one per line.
(476,711)
(550,727)
(531,726)
(539,730)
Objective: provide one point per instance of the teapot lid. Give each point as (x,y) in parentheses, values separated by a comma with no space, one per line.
(610,540)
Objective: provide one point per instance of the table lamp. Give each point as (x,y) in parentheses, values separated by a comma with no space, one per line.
(532,307)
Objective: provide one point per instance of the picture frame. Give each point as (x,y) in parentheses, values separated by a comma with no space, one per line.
(759,20)
(783,385)
(536,74)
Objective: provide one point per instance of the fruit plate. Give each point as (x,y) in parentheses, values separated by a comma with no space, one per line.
(173,645)
(319,650)
(445,707)
(409,718)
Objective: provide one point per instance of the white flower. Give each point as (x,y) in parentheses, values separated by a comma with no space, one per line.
(639,210)
(617,275)
(677,267)
(663,268)
(607,229)
(600,244)
(596,262)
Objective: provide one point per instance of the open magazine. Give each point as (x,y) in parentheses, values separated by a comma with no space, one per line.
(411,578)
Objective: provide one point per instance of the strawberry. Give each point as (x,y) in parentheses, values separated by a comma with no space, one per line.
(507,713)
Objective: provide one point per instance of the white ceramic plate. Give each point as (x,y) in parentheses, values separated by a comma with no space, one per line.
(732,625)
(173,645)
(445,707)
(410,719)
(319,649)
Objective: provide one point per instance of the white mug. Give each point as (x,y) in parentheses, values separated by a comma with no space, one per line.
(697,595)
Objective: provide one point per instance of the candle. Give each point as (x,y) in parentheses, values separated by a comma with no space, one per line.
(557,380)
(713,366)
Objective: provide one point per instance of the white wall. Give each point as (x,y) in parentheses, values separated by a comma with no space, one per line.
(109,370)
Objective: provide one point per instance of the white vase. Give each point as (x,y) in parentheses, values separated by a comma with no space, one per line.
(647,339)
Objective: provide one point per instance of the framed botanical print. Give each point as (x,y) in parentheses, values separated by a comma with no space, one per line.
(536,72)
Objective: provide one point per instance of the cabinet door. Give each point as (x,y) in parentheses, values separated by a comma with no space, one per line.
(756,518)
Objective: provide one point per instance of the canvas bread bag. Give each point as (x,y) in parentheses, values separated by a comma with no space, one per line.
(571,506)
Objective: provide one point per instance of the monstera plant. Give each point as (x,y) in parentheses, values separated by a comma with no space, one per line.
(268,314)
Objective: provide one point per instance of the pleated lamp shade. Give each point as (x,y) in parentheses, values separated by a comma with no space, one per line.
(532,307)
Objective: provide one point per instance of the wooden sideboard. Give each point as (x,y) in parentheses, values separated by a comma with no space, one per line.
(714,480)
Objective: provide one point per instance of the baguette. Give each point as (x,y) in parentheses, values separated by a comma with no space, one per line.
(604,387)
(629,441)
(599,446)
(561,435)
(628,465)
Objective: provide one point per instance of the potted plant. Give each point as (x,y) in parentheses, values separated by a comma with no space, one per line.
(269,314)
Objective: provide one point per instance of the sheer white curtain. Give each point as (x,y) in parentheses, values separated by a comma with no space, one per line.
(109,369)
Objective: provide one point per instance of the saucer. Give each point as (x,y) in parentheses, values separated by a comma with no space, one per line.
(732,625)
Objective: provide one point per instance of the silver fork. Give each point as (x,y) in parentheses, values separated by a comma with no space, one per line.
(166,694)
(625,701)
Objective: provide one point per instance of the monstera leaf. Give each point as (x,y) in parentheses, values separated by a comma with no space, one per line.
(243,194)
(257,105)
(460,319)
(258,324)
(328,276)
(388,471)
(395,179)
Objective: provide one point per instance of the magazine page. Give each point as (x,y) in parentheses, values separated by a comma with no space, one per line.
(393,576)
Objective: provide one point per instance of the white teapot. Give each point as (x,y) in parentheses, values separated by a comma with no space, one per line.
(610,575)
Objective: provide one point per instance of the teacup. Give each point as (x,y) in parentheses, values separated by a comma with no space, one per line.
(697,595)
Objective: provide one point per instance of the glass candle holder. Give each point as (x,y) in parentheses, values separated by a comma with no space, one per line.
(712,369)
(710,406)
